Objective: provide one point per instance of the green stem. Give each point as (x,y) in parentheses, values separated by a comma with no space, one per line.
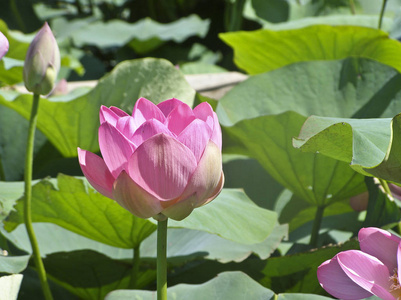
(162,260)
(2,174)
(382,13)
(17,15)
(28,198)
(386,188)
(352,6)
(135,268)
(316,226)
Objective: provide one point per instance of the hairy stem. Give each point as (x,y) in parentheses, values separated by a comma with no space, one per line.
(382,13)
(316,226)
(352,6)
(135,268)
(28,198)
(162,260)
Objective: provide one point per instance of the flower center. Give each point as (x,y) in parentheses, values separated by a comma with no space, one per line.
(395,288)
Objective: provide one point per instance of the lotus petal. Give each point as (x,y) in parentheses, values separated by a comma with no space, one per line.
(205,112)
(146,110)
(207,177)
(134,198)
(116,149)
(366,271)
(181,209)
(168,105)
(162,166)
(179,118)
(373,240)
(126,125)
(196,136)
(148,129)
(111,114)
(333,279)
(96,171)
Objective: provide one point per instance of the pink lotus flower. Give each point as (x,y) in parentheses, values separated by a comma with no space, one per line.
(373,270)
(3,45)
(163,161)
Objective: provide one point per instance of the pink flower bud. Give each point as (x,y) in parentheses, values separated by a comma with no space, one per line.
(359,202)
(3,45)
(162,161)
(42,62)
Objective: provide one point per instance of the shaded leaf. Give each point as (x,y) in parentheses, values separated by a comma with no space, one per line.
(297,273)
(143,36)
(13,264)
(12,149)
(381,210)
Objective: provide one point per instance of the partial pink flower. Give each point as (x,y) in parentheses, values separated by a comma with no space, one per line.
(3,45)
(162,161)
(373,270)
(360,202)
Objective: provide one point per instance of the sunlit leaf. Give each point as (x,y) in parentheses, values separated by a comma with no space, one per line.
(75,123)
(265,50)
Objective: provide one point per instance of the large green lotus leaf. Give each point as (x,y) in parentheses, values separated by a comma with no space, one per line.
(243,172)
(300,296)
(73,205)
(9,286)
(334,20)
(144,35)
(256,124)
(371,146)
(297,273)
(298,213)
(185,242)
(318,179)
(232,215)
(12,149)
(265,50)
(13,264)
(228,285)
(75,123)
(353,87)
(182,243)
(91,275)
(10,192)
(53,238)
(279,15)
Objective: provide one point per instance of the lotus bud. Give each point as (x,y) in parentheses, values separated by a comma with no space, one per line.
(162,161)
(42,62)
(3,45)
